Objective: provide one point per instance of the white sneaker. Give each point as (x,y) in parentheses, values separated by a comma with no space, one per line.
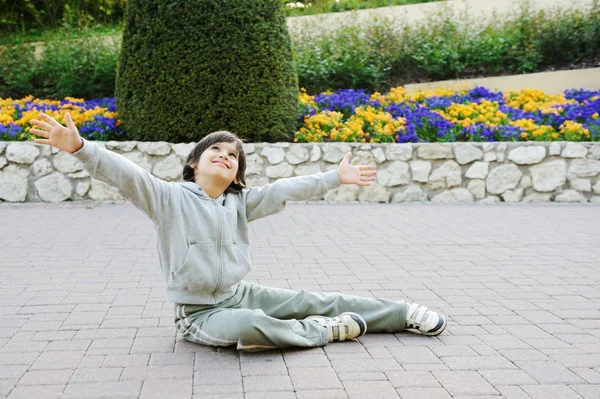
(422,321)
(345,326)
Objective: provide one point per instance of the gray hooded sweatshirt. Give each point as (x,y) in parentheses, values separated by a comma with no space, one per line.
(202,243)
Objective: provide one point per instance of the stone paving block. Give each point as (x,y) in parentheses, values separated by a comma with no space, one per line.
(93,390)
(113,361)
(133,373)
(217,361)
(156,332)
(49,377)
(379,352)
(423,393)
(553,391)
(358,356)
(111,343)
(38,392)
(370,389)
(587,391)
(410,339)
(58,360)
(217,377)
(453,350)
(271,395)
(375,340)
(85,318)
(523,354)
(459,340)
(169,359)
(78,345)
(18,359)
(166,389)
(96,375)
(500,342)
(466,330)
(53,335)
(328,394)
(263,368)
(507,377)
(308,360)
(548,343)
(365,366)
(484,350)
(128,323)
(549,372)
(577,338)
(588,375)
(314,378)
(153,345)
(203,391)
(414,355)
(526,331)
(464,383)
(267,383)
(19,347)
(412,379)
(106,333)
(477,362)
(6,386)
(362,376)
(511,392)
(578,360)
(352,346)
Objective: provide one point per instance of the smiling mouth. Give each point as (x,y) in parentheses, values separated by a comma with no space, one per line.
(218,162)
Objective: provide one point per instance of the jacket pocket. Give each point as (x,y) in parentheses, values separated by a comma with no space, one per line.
(241,256)
(199,271)
(235,265)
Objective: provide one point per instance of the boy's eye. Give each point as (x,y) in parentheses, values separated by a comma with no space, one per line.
(235,156)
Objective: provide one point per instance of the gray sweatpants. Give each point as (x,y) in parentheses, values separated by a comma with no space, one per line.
(258,317)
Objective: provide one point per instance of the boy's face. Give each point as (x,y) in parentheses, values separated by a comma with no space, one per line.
(219,161)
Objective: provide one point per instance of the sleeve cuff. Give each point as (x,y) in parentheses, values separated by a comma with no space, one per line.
(332,179)
(85,153)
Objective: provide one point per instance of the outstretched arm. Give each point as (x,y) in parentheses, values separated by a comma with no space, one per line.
(145,191)
(271,198)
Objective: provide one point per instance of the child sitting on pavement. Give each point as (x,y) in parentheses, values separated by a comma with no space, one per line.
(204,251)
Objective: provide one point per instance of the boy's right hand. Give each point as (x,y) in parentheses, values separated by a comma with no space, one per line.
(56,135)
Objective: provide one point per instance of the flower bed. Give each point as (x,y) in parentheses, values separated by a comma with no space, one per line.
(447,115)
(443,115)
(96,119)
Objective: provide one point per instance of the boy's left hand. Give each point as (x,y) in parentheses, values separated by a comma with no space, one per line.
(350,174)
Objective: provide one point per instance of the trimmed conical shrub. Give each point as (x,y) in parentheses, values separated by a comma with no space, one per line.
(191,67)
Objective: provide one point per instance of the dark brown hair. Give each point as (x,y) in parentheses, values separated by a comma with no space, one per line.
(221,136)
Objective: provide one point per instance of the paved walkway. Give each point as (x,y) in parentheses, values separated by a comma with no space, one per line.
(83,313)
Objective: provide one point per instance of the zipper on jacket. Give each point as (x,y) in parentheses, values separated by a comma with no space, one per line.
(219,250)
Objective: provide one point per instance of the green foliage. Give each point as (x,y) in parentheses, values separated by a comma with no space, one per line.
(388,53)
(191,67)
(37,15)
(80,68)
(375,56)
(312,7)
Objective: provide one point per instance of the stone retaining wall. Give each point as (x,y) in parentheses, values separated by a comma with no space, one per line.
(449,172)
